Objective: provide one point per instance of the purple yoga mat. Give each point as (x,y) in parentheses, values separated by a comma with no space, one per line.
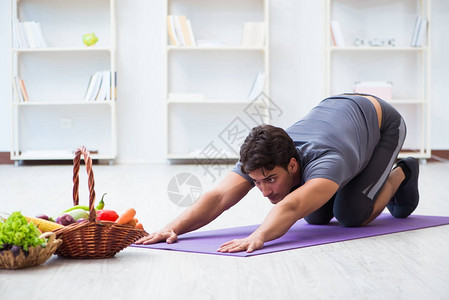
(300,235)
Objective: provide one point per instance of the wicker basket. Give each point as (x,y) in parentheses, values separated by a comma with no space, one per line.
(36,255)
(92,238)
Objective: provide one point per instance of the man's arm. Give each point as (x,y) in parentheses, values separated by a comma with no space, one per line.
(296,205)
(210,205)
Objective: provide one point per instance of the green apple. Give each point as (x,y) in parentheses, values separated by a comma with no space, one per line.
(90,39)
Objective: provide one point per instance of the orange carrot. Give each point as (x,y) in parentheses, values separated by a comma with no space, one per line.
(132,223)
(127,216)
(139,226)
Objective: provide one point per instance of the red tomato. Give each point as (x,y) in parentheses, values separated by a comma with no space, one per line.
(107,215)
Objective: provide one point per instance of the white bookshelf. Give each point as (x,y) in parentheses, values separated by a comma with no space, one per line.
(222,72)
(407,67)
(55,49)
(56,119)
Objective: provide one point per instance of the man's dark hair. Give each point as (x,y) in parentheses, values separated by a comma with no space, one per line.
(266,146)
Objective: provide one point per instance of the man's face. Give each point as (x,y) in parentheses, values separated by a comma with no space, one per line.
(274,184)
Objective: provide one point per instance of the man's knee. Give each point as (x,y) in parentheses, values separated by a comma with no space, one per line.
(323,215)
(315,219)
(350,221)
(355,212)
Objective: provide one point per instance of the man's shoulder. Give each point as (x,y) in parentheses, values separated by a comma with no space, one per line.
(329,165)
(238,170)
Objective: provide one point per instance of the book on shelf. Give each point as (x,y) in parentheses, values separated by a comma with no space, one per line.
(17,91)
(20,89)
(253,34)
(257,86)
(171,31)
(104,92)
(190,32)
(93,87)
(100,87)
(114,87)
(179,30)
(337,36)
(419,31)
(28,35)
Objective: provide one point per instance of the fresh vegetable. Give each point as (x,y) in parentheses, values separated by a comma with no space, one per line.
(139,226)
(15,250)
(42,216)
(107,215)
(44,225)
(127,216)
(78,214)
(86,208)
(101,203)
(132,223)
(66,219)
(16,231)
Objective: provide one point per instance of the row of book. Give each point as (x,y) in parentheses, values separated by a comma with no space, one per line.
(101,86)
(28,35)
(19,88)
(418,36)
(336,35)
(180,31)
(419,31)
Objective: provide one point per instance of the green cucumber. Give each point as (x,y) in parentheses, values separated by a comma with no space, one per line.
(75,207)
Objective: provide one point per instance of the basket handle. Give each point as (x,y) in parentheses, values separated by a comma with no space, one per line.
(50,235)
(91,183)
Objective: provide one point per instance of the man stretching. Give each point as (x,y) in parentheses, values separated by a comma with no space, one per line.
(335,162)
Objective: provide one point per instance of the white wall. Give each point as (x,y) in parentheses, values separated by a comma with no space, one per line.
(140,71)
(440,74)
(5,83)
(296,55)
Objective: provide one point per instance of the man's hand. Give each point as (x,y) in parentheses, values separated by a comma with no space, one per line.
(168,236)
(248,244)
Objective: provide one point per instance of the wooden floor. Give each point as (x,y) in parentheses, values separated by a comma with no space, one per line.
(408,265)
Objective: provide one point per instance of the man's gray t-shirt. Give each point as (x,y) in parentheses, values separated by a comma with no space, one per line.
(335,140)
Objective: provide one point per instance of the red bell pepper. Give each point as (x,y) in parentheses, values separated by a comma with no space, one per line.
(106,215)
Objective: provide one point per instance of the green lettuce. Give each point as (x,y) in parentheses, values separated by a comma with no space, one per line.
(17,231)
